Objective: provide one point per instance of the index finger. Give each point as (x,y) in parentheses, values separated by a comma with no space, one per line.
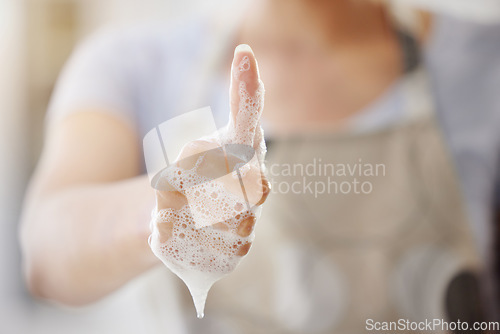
(246,96)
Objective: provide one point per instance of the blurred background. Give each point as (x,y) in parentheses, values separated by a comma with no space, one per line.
(36,38)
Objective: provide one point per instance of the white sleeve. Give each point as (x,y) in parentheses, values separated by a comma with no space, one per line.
(98,76)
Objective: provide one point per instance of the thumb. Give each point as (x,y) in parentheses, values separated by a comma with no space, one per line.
(246,96)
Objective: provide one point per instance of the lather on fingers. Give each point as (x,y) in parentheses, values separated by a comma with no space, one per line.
(246,97)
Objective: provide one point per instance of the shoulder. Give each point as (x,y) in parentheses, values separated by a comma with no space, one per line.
(145,40)
(113,67)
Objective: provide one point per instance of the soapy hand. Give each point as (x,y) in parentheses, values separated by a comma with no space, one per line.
(209,199)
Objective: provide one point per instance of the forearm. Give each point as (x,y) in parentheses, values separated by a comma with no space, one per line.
(83,242)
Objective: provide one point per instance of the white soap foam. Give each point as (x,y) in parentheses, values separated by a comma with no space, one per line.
(249,110)
(199,257)
(187,240)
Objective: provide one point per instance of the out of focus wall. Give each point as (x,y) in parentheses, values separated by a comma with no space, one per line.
(51,32)
(13,154)
(36,38)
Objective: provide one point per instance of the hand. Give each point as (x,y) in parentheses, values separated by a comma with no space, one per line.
(208,201)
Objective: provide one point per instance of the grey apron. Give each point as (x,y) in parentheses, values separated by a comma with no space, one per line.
(329,261)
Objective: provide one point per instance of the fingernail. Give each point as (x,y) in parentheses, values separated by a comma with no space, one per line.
(244,249)
(243,47)
(246,227)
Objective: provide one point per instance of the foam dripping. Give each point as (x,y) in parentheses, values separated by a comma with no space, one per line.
(203,240)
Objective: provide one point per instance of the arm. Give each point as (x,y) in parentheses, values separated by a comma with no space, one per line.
(85,221)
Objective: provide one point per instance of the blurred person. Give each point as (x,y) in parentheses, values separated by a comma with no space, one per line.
(346,87)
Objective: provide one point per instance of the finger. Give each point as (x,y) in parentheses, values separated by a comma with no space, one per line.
(165,230)
(255,185)
(170,200)
(259,144)
(246,96)
(197,147)
(246,227)
(243,250)
(220,227)
(266,189)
